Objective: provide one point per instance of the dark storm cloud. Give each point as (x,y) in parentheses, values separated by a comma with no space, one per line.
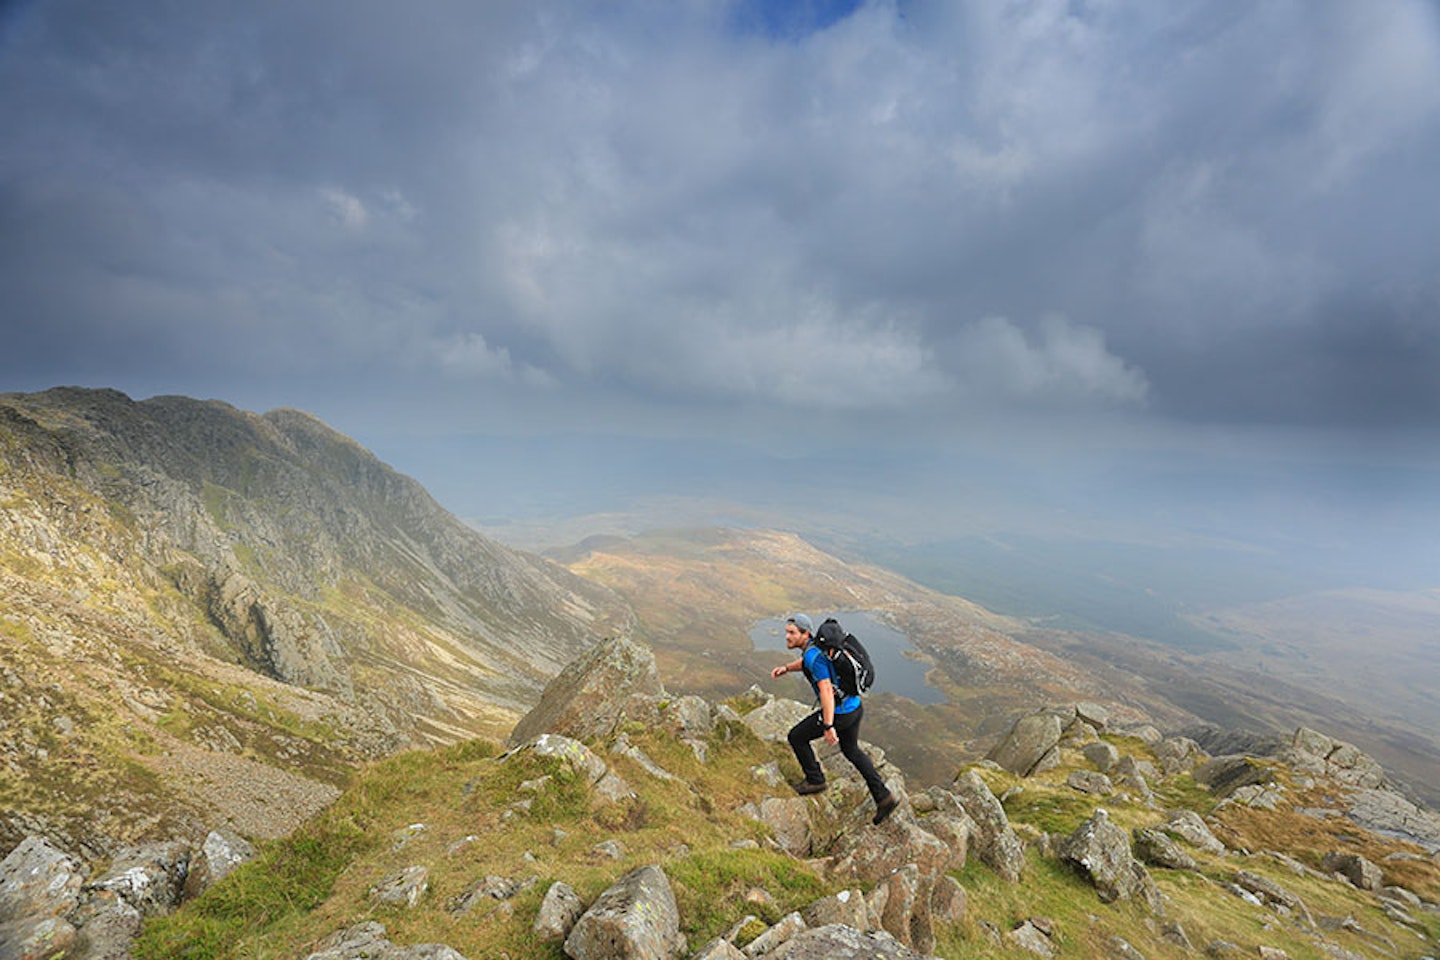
(1213,212)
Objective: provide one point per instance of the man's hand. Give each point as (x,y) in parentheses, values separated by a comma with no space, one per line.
(831,737)
(779,671)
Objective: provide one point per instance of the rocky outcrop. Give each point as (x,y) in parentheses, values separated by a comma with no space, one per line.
(308,607)
(609,786)
(1031,745)
(1188,826)
(590,697)
(836,942)
(40,887)
(995,841)
(1100,850)
(559,910)
(635,919)
(368,940)
(219,855)
(1355,869)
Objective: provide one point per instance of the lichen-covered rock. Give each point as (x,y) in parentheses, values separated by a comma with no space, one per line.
(635,919)
(589,698)
(948,901)
(220,853)
(1103,755)
(1224,775)
(37,880)
(1097,716)
(1188,826)
(773,719)
(784,929)
(952,829)
(107,926)
(836,942)
(405,886)
(609,786)
(1178,755)
(1100,850)
(36,938)
(368,940)
(1155,848)
(847,907)
(1091,782)
(789,821)
(719,949)
(150,877)
(996,845)
(905,908)
(1354,868)
(1029,745)
(1031,938)
(1274,895)
(1317,755)
(558,912)
(870,855)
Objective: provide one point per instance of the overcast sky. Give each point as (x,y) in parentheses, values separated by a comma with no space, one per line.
(1195,243)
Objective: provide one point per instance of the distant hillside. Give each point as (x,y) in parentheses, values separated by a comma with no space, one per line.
(698,592)
(211,614)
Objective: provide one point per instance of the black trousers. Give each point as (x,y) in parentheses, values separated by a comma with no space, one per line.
(847,728)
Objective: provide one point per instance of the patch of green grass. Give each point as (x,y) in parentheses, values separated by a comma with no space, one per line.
(1181,792)
(289,878)
(711,887)
(1053,811)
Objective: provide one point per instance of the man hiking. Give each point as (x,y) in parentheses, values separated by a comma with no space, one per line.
(837,722)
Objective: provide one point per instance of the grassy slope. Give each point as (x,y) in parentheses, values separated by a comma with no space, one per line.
(317,881)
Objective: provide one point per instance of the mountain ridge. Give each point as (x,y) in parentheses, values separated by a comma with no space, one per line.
(149,549)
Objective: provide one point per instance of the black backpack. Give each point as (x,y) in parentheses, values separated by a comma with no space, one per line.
(854,671)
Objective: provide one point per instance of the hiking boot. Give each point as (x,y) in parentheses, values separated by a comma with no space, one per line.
(884,808)
(806,787)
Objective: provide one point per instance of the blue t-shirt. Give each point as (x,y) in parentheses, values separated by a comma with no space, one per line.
(817,668)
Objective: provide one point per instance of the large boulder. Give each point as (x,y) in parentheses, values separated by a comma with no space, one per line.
(772,720)
(220,854)
(558,912)
(37,880)
(1317,755)
(1100,850)
(1031,745)
(635,919)
(368,940)
(1190,827)
(995,841)
(1224,775)
(150,878)
(609,786)
(789,821)
(1354,868)
(838,942)
(590,696)
(1155,848)
(847,907)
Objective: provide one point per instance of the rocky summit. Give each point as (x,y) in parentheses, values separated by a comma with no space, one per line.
(209,617)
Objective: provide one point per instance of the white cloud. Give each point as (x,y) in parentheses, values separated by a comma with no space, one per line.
(346,208)
(1065,363)
(469,356)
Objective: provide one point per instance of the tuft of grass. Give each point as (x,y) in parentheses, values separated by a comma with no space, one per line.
(711,888)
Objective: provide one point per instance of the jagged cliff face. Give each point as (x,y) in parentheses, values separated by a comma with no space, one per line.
(182,580)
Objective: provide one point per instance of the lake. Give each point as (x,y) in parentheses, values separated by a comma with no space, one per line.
(895,673)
